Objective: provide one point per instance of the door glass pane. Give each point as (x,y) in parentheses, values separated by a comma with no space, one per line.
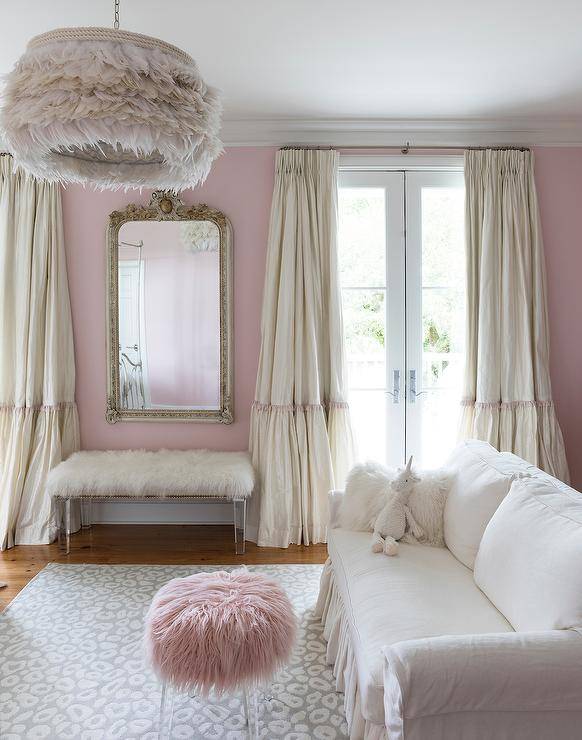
(362,263)
(365,337)
(443,237)
(443,319)
(369,421)
(362,237)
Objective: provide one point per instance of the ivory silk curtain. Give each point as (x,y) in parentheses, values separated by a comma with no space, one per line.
(508,398)
(38,416)
(301,439)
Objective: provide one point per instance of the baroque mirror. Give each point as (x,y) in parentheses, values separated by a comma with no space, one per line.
(169,324)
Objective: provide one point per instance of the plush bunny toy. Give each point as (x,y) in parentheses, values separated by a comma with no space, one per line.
(395,517)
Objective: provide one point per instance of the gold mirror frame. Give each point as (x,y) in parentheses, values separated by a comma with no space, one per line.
(167,206)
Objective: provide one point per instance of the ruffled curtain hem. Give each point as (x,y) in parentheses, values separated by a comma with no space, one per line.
(300,452)
(33,439)
(282,538)
(330,610)
(529,429)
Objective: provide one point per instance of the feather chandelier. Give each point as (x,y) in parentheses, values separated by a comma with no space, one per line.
(110,108)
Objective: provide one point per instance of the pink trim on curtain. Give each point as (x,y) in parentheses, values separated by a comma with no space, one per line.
(505,404)
(37,407)
(299,407)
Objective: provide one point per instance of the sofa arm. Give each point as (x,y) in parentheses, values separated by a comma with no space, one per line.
(506,672)
(335,500)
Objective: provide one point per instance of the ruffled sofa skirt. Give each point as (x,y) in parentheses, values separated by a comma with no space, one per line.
(340,655)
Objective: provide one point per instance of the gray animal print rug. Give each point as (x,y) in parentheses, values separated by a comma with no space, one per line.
(72,663)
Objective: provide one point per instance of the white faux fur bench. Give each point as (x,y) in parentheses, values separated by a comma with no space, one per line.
(137,475)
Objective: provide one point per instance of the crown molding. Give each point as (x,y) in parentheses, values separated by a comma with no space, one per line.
(376,132)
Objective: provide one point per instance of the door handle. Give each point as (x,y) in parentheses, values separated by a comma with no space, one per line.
(395,392)
(412,394)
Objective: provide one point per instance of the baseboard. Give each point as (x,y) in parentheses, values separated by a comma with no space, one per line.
(162,513)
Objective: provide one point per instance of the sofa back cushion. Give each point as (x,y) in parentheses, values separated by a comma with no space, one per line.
(482,477)
(529,562)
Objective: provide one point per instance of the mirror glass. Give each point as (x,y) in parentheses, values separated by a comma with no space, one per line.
(169,315)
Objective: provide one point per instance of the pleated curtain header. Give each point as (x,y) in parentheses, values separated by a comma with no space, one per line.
(306,161)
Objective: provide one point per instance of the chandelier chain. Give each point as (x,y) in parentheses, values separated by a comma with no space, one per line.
(116,15)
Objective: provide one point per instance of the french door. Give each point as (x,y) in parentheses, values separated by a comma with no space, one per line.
(402,270)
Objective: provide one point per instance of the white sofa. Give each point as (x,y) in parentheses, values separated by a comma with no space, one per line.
(422,652)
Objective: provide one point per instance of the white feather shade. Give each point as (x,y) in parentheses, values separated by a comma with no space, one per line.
(111,108)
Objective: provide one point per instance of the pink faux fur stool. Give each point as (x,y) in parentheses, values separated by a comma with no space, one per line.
(219,632)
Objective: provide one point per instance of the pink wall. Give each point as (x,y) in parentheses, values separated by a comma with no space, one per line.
(559,185)
(240,185)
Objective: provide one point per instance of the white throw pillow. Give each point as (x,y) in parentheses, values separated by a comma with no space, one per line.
(530,559)
(482,477)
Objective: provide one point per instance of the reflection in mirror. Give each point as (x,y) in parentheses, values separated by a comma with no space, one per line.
(169,315)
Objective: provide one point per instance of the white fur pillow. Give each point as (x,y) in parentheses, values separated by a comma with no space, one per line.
(368,485)
(427,504)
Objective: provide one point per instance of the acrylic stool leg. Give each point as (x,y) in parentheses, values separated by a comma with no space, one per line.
(166,712)
(251,709)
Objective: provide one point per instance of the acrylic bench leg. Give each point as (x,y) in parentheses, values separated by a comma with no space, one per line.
(240,514)
(86,513)
(68,523)
(65,525)
(60,517)
(63,512)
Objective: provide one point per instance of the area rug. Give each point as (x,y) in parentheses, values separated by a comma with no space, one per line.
(72,663)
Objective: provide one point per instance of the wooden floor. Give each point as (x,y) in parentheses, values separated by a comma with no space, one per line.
(139,543)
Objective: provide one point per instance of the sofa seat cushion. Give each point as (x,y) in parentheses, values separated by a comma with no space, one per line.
(422,592)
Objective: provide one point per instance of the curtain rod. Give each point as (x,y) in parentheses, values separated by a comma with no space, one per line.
(403,150)
(408,147)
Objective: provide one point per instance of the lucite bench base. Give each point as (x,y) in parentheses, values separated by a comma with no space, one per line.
(63,513)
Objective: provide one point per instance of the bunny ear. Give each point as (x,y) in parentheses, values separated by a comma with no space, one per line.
(409,465)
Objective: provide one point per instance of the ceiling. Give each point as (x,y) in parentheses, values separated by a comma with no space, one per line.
(371,67)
